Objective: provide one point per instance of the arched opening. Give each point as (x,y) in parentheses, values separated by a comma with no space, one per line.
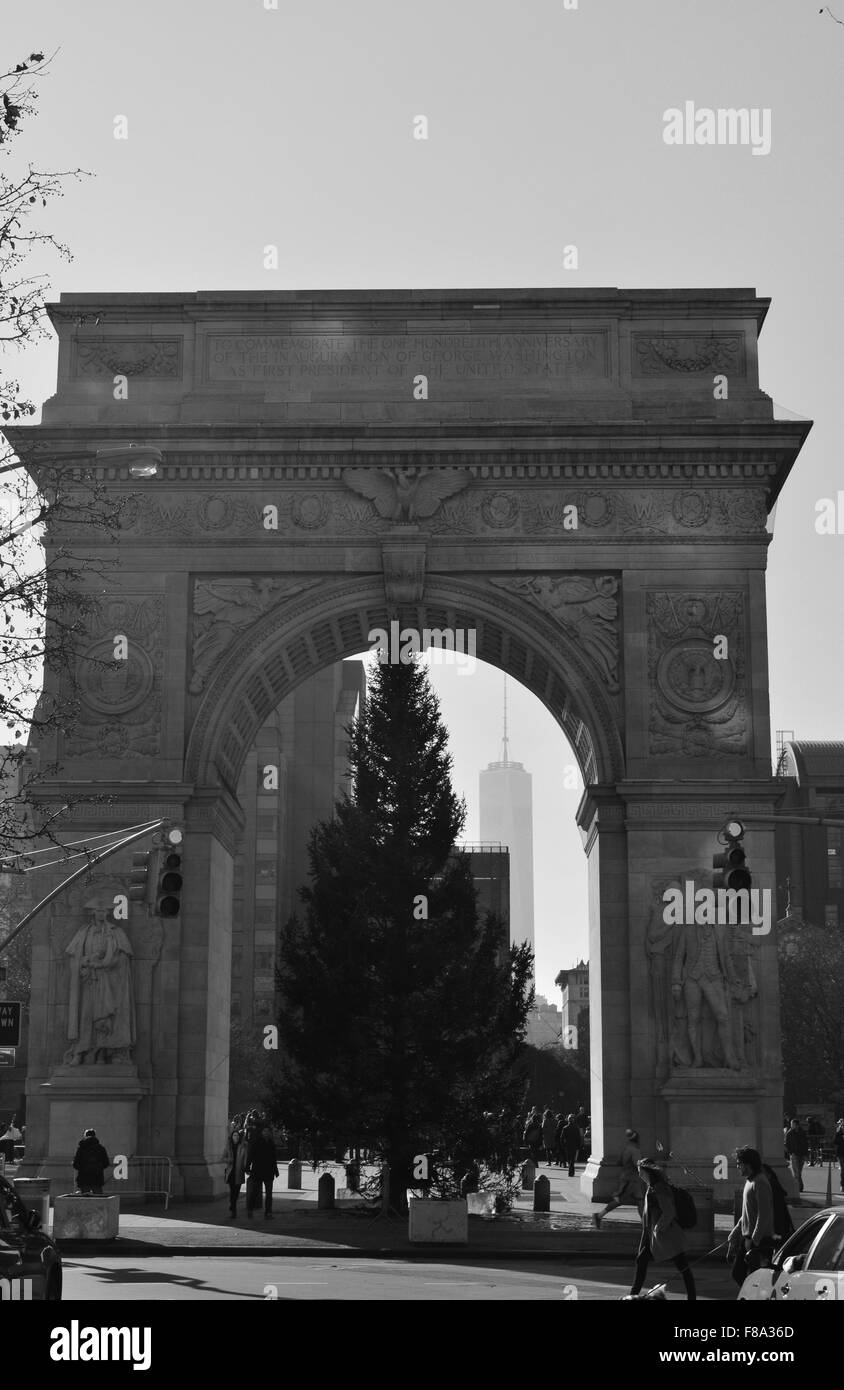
(289,648)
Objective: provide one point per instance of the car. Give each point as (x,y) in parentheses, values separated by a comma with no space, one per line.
(810,1265)
(30,1263)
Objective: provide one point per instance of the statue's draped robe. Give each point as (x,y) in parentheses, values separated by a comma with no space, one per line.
(101,1007)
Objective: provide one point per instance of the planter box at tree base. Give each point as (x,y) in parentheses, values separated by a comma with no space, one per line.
(86,1218)
(437,1223)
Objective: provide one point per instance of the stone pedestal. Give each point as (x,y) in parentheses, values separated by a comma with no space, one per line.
(86,1218)
(710,1112)
(104,1098)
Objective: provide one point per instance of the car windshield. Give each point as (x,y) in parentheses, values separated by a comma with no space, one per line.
(828,1253)
(800,1243)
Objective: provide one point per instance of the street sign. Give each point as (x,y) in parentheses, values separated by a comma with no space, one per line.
(10,1024)
(7,1056)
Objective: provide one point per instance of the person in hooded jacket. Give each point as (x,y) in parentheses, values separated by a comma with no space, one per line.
(662,1236)
(90,1162)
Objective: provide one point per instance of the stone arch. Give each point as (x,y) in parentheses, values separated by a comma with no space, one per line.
(301,636)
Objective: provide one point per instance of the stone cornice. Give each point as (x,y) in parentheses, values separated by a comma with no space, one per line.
(238,466)
(261,306)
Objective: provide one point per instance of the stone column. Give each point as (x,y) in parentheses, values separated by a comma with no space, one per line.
(601,821)
(199,1012)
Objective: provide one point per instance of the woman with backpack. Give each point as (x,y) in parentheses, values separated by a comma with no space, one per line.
(662,1236)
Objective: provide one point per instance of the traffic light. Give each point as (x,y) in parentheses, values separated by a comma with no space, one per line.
(168,898)
(731,865)
(139,878)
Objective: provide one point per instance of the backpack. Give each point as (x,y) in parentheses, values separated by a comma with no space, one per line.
(684,1204)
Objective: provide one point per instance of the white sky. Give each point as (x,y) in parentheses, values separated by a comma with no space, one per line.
(293,127)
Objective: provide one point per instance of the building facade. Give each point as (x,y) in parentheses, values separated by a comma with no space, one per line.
(810,858)
(292,777)
(574,984)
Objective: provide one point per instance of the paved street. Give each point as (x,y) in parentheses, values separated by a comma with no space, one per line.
(246,1279)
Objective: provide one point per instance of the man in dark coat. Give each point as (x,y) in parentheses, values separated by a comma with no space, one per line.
(90,1163)
(572,1141)
(261,1169)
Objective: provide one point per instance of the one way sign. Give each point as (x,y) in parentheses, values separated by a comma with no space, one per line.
(10,1024)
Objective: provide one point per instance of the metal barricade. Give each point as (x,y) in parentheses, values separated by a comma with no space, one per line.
(149,1175)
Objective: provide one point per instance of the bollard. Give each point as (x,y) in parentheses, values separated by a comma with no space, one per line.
(325,1193)
(542,1194)
(528,1175)
(294,1174)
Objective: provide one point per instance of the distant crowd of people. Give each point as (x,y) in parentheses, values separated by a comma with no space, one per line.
(250,1156)
(564,1139)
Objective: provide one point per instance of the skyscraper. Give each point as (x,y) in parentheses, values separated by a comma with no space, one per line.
(506,816)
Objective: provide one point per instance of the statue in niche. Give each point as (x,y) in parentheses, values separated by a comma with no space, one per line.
(659,946)
(101,1005)
(703,987)
(703,971)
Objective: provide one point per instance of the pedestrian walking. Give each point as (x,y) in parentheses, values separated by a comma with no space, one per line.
(261,1168)
(630,1186)
(838,1146)
(549,1135)
(532,1135)
(797,1149)
(561,1148)
(234,1158)
(572,1140)
(90,1162)
(751,1241)
(662,1236)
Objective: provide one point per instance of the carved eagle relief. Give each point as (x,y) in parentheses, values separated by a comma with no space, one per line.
(405,494)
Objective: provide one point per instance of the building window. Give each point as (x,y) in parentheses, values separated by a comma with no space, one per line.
(830,914)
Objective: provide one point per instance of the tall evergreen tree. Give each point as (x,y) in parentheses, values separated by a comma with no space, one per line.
(400,1012)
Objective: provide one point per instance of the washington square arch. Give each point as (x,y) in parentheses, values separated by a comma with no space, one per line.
(583,479)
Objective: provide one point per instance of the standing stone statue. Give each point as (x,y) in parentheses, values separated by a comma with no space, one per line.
(703,970)
(101,1006)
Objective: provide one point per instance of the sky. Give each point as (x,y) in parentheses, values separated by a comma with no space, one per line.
(250,126)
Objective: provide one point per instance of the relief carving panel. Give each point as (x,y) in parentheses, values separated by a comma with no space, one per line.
(698,704)
(586,608)
(120,713)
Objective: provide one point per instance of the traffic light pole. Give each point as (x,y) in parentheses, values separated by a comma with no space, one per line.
(86,867)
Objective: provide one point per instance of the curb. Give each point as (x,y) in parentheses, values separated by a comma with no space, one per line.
(118,1249)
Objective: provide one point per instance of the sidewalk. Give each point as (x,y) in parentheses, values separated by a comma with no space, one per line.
(299,1228)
